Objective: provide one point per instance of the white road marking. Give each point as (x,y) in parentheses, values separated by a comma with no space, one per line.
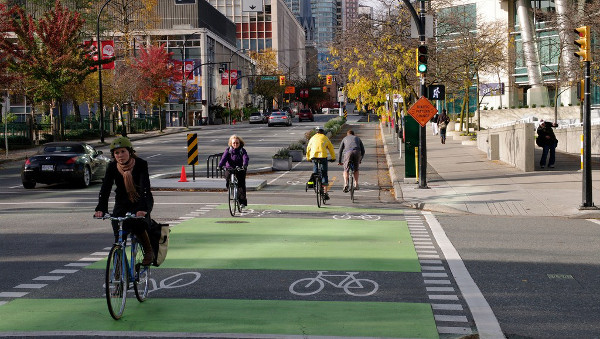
(48,277)
(13,294)
(485,320)
(63,271)
(30,285)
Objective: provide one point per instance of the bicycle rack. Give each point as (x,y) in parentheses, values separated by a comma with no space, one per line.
(212,166)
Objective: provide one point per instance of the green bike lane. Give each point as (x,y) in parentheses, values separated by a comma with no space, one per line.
(235,277)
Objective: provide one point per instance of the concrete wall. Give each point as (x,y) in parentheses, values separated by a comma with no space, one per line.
(569,139)
(499,116)
(513,145)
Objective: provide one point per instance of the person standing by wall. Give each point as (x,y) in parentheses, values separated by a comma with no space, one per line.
(547,140)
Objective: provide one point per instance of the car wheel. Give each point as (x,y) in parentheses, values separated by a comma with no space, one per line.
(86,178)
(29,184)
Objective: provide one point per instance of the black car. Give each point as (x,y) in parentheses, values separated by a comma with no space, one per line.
(64,162)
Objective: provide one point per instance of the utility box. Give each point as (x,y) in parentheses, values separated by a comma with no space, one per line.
(411,141)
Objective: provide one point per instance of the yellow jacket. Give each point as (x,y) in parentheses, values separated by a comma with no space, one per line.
(318,146)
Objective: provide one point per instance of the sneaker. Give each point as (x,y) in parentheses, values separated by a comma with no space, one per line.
(242,206)
(356,188)
(551,166)
(345,189)
(326,197)
(541,166)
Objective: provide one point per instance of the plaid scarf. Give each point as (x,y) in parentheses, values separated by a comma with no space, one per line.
(125,171)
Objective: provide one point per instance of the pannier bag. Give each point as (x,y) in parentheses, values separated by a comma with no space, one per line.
(311,181)
(159,239)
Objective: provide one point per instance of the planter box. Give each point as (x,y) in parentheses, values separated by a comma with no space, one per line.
(280,164)
(296,155)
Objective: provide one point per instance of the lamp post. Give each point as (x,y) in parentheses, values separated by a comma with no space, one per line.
(229,79)
(99,46)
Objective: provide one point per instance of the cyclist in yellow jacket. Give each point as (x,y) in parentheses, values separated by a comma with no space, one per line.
(316,150)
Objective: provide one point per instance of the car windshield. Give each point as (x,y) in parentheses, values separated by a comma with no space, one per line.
(63,149)
(254,114)
(277,113)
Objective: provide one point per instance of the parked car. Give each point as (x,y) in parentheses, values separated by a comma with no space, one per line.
(64,162)
(306,114)
(258,118)
(280,118)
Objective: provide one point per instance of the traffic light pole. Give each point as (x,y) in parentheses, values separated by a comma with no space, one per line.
(423,92)
(587,144)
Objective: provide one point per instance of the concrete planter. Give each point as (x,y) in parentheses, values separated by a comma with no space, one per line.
(282,164)
(296,155)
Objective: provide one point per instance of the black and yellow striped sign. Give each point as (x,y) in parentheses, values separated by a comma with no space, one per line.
(192,143)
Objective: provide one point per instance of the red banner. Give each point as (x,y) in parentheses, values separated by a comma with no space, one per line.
(177,64)
(108,51)
(225,77)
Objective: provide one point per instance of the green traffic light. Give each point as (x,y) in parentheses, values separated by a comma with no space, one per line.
(422,68)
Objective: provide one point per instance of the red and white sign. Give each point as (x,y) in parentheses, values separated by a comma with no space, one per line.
(108,51)
(225,77)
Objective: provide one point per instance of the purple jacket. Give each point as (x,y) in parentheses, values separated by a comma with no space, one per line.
(234,157)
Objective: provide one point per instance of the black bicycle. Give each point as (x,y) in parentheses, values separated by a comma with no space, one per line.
(234,202)
(318,183)
(351,181)
(121,271)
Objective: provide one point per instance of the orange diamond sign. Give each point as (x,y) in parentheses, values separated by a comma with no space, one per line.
(422,111)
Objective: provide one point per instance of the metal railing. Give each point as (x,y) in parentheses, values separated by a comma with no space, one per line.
(212,166)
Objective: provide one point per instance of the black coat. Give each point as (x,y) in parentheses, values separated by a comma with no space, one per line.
(546,136)
(141,180)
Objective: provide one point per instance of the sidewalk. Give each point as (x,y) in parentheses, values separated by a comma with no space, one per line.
(460,179)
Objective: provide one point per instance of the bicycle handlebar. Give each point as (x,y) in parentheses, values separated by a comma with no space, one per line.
(128,215)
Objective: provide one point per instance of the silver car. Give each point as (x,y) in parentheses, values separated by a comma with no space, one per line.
(280,118)
(257,118)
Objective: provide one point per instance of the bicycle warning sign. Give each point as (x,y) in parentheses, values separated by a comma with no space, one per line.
(422,111)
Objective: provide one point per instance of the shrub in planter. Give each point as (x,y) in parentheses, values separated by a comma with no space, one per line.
(282,153)
(296,151)
(282,161)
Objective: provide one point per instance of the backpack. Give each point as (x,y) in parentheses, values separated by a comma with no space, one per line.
(159,239)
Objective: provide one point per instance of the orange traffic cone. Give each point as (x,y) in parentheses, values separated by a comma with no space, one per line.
(183,176)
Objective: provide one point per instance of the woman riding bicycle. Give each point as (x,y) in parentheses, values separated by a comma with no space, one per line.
(132,194)
(317,149)
(235,156)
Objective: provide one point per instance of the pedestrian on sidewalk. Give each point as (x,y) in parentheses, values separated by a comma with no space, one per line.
(236,156)
(132,193)
(547,140)
(351,151)
(442,123)
(434,124)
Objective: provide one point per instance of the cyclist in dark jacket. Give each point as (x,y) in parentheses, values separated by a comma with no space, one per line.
(351,152)
(132,194)
(236,156)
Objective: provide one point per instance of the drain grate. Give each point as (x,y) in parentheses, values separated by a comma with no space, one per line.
(231,222)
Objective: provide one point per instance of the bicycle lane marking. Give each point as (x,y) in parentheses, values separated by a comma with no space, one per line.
(483,316)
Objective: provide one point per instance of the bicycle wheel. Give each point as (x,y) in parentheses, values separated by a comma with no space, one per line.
(142,273)
(232,198)
(306,286)
(351,184)
(115,283)
(318,189)
(361,287)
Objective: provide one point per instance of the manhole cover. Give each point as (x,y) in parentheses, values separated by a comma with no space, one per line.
(231,222)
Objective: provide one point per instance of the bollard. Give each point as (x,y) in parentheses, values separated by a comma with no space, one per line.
(417,163)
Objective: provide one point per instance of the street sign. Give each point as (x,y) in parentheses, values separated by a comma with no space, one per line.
(269,78)
(422,111)
(436,92)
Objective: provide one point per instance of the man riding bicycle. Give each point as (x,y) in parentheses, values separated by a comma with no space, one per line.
(351,152)
(316,150)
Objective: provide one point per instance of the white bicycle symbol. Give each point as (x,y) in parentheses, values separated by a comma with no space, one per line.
(259,214)
(365,217)
(350,284)
(175,281)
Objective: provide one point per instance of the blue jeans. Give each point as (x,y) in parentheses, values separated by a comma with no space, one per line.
(323,161)
(552,149)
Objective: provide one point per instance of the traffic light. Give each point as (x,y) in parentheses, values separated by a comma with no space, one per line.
(422,59)
(583,42)
(282,80)
(324,89)
(329,79)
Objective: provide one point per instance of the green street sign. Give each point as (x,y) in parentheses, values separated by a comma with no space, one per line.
(316,88)
(268,78)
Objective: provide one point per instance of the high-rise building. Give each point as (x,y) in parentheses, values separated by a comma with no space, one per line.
(275,28)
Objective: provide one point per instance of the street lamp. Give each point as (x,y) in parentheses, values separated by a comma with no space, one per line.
(99,43)
(229,80)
